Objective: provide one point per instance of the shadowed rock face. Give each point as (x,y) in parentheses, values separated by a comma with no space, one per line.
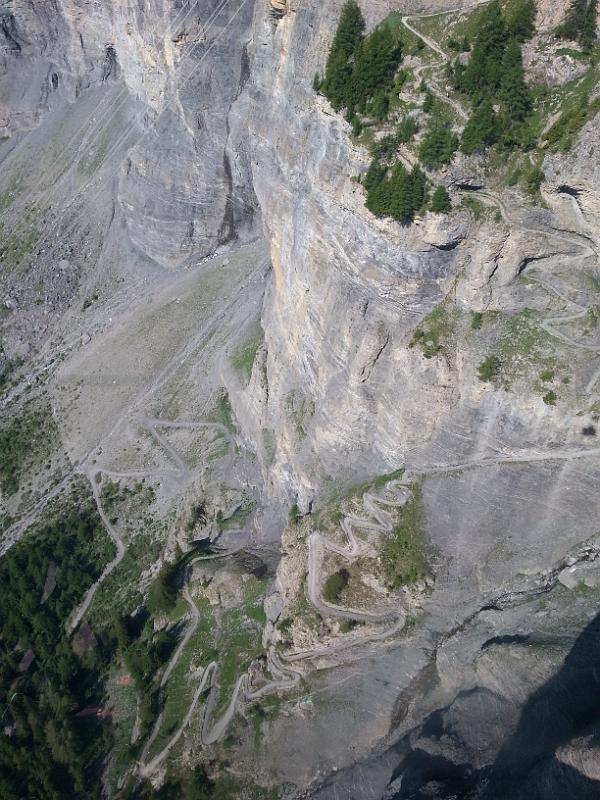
(549,753)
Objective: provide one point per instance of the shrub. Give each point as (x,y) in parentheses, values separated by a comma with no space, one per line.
(294,514)
(489,368)
(476,320)
(335,584)
(550,398)
(535,178)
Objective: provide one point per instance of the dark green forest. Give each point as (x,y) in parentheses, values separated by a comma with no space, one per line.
(363,75)
(47,750)
(494,79)
(579,24)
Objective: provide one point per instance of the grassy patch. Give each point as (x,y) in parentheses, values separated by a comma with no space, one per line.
(403,555)
(15,248)
(238,644)
(27,439)
(299,408)
(243,359)
(524,347)
(576,109)
(223,412)
(434,331)
(199,651)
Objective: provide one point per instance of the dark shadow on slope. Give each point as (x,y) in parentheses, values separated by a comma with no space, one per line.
(526,767)
(563,708)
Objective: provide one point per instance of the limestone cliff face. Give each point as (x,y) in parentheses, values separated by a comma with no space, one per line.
(164,77)
(347,394)
(346,289)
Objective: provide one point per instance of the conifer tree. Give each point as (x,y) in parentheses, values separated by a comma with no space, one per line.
(438,146)
(483,71)
(440,201)
(513,90)
(570,27)
(377,60)
(521,20)
(349,34)
(587,35)
(481,130)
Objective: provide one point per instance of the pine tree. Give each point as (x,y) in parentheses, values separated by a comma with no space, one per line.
(571,25)
(349,34)
(521,20)
(438,146)
(428,101)
(587,34)
(377,60)
(513,90)
(483,70)
(380,105)
(481,130)
(440,201)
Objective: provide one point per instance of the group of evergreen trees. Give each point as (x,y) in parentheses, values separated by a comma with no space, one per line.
(360,69)
(47,752)
(580,22)
(399,195)
(494,78)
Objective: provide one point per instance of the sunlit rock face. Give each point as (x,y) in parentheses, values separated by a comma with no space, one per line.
(165,77)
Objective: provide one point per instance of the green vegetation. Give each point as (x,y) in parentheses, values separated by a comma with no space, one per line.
(482,129)
(223,411)
(579,24)
(550,398)
(195,784)
(494,76)
(577,108)
(7,373)
(438,145)
(476,320)
(25,440)
(15,248)
(440,201)
(238,641)
(434,330)
(244,358)
(403,556)
(360,70)
(49,749)
(335,585)
(524,346)
(400,196)
(163,590)
(387,146)
(489,368)
(294,514)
